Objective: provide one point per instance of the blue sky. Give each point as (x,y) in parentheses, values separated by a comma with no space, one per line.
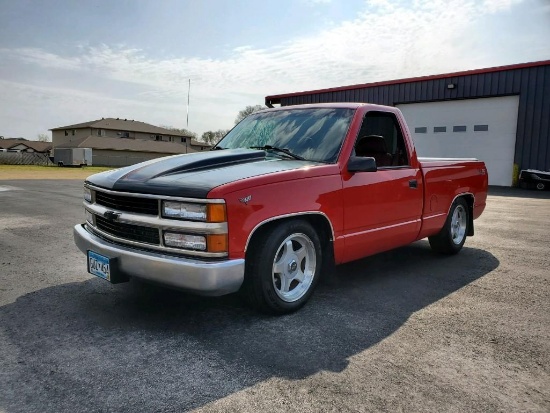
(66,62)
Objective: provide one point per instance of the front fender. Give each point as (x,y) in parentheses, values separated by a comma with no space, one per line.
(249,209)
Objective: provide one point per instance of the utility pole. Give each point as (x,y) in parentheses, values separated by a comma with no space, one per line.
(188,93)
(187,124)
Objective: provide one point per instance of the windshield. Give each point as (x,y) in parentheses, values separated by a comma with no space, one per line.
(313,134)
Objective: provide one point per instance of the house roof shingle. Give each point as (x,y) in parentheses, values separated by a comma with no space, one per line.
(135,145)
(128,125)
(199,143)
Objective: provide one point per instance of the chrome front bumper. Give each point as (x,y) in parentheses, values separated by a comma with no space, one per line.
(201,277)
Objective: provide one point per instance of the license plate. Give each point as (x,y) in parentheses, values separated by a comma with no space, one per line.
(99,265)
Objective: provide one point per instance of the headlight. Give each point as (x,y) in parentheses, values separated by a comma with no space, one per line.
(87,194)
(184,210)
(209,243)
(187,241)
(193,212)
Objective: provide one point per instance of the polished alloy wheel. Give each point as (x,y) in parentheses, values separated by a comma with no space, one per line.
(459,224)
(294,267)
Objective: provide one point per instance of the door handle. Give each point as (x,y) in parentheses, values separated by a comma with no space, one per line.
(413,184)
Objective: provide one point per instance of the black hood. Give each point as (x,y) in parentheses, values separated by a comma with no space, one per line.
(192,175)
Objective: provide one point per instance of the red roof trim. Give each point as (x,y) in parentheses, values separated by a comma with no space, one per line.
(411,79)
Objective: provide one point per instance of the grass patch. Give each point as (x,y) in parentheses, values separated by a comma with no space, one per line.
(8,172)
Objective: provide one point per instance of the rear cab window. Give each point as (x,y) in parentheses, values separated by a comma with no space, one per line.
(381,138)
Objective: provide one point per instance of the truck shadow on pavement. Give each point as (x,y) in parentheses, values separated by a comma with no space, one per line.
(92,346)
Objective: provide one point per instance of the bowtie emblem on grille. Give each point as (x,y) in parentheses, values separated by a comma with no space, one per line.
(111,216)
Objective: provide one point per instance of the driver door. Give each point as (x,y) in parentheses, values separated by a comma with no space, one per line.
(382,209)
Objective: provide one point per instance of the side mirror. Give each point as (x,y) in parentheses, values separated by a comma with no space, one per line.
(362,164)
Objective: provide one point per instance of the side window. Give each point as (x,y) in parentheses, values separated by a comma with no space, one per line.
(380,137)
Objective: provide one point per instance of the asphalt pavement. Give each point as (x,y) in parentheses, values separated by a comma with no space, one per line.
(406,330)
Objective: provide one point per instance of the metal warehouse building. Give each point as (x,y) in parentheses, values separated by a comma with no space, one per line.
(500,115)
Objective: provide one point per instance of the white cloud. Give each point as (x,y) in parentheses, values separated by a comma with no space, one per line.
(493,6)
(49,107)
(386,40)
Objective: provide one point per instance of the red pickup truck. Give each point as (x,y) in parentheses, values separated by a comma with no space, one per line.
(285,193)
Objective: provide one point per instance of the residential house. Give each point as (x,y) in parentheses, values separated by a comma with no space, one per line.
(23,145)
(122,142)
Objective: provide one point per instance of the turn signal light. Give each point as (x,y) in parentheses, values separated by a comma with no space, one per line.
(216,242)
(215,213)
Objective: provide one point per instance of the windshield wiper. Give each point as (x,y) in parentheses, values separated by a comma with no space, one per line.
(279,150)
(217,148)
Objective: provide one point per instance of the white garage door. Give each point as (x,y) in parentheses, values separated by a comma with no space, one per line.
(473,128)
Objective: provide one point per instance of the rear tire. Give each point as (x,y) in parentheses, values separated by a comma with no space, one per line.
(283,267)
(452,236)
(540,186)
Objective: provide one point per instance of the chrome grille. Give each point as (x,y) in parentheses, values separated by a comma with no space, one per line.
(129,232)
(137,205)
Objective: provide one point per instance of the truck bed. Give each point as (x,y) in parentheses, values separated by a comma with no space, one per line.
(446,178)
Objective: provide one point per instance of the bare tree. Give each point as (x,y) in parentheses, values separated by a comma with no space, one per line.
(247,111)
(212,138)
(44,137)
(181,131)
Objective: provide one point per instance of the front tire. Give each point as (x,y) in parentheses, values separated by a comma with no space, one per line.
(283,267)
(452,236)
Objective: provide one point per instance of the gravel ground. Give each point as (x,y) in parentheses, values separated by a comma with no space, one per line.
(401,331)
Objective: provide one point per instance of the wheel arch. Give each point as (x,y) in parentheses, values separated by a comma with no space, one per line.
(470,200)
(318,220)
